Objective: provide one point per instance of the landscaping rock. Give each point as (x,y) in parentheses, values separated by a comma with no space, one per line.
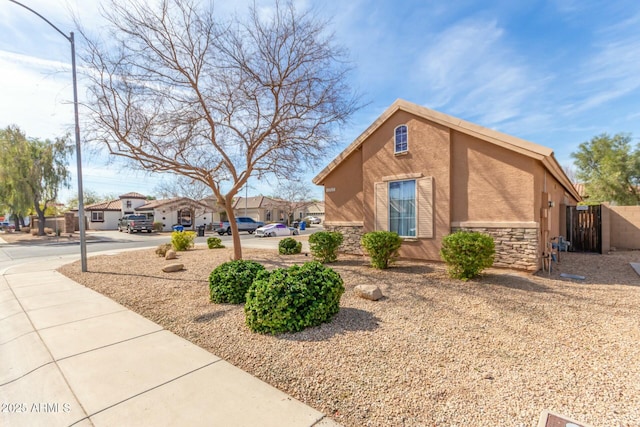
(170,268)
(171,254)
(370,292)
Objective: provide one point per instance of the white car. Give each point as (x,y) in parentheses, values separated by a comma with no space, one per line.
(313,220)
(271,230)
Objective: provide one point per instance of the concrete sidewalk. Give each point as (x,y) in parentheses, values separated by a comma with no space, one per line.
(71,356)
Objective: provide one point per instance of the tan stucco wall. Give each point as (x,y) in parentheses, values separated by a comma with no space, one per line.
(343,191)
(478,185)
(429,154)
(624,226)
(490,183)
(552,219)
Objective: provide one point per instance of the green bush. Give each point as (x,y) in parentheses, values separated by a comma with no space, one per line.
(289,300)
(228,283)
(214,243)
(324,245)
(183,240)
(382,247)
(289,246)
(162,249)
(158,226)
(467,253)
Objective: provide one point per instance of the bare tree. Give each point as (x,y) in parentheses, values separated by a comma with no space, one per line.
(570,172)
(175,90)
(183,186)
(293,195)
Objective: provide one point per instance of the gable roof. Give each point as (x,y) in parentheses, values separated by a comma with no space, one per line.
(109,205)
(255,202)
(529,149)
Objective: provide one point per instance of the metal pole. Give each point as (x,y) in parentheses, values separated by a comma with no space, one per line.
(70,38)
(83,240)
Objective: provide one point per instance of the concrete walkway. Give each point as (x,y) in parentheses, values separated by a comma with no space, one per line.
(71,356)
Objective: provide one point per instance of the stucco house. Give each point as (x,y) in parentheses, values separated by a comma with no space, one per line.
(425,174)
(269,209)
(105,215)
(179,211)
(260,208)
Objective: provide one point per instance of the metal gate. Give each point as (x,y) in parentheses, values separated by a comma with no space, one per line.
(584,228)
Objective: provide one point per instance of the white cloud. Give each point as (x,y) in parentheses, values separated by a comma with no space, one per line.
(47,90)
(612,71)
(469,70)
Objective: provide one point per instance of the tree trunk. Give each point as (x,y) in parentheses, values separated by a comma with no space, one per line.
(41,222)
(235,236)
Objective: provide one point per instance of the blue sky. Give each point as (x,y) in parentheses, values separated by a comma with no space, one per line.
(552,72)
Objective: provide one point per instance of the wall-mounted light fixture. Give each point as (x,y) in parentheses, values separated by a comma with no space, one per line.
(551,203)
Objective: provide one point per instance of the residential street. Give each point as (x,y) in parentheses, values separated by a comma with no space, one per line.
(12,254)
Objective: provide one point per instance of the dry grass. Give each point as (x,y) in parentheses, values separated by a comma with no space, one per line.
(493,351)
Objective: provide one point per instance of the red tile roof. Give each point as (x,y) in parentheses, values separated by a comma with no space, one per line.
(133,195)
(110,205)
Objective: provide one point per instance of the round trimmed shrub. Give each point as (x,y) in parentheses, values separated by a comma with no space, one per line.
(214,243)
(183,240)
(289,300)
(228,282)
(467,253)
(382,247)
(324,245)
(289,246)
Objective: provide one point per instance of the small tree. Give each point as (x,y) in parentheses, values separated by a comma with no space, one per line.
(176,89)
(33,170)
(610,169)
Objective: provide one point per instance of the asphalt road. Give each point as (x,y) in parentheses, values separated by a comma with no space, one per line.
(112,241)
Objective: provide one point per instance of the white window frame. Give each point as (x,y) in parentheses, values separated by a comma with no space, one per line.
(97,216)
(408,216)
(424,205)
(395,140)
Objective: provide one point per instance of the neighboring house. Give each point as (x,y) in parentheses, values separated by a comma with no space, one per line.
(131,201)
(179,211)
(315,209)
(260,208)
(104,215)
(424,174)
(268,209)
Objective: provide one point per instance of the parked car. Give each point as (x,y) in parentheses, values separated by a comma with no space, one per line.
(244,224)
(7,226)
(276,229)
(133,223)
(313,220)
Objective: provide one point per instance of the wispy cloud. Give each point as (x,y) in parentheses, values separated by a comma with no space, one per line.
(470,70)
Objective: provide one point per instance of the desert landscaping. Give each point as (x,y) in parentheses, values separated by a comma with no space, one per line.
(497,350)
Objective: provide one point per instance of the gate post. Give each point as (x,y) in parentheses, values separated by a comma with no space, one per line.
(605,217)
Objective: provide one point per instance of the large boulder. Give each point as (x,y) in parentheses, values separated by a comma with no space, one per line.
(370,292)
(170,268)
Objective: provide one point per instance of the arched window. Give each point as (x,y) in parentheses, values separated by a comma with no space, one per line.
(401,139)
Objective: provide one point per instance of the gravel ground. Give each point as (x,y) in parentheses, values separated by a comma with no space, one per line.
(495,351)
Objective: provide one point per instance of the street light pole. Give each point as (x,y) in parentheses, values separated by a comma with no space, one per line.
(70,39)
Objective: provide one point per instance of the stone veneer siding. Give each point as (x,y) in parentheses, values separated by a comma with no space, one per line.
(516,248)
(351,237)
